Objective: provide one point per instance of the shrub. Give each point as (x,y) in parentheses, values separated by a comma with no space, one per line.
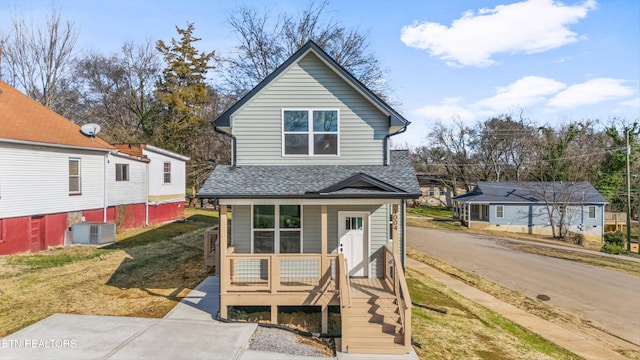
(576,238)
(614,243)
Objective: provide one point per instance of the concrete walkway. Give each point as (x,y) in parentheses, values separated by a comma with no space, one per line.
(583,345)
(188,331)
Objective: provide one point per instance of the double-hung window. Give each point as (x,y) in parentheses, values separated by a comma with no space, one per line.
(166,170)
(74,177)
(310,132)
(277,229)
(592,212)
(122,172)
(499,211)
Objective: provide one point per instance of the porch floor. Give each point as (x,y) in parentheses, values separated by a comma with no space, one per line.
(370,288)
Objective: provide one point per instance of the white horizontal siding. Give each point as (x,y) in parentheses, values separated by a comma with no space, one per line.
(133,191)
(309,84)
(157,187)
(35,180)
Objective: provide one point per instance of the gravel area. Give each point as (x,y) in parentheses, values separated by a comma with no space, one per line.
(284,342)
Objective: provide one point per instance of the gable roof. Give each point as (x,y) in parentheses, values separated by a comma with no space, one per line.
(533,192)
(396,180)
(25,120)
(395,119)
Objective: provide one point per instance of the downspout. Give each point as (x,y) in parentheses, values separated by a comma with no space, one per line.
(146,201)
(233,144)
(106,187)
(385,144)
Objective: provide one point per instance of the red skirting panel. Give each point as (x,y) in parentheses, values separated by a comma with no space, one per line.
(166,212)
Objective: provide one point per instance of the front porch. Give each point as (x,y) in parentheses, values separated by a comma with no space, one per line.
(375,310)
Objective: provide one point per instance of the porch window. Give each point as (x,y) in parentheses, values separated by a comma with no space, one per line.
(592,212)
(310,132)
(499,211)
(283,235)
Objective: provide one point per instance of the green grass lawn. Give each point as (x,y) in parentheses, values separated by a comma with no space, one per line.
(432,212)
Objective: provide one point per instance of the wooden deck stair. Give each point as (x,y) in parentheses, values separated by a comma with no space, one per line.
(374,321)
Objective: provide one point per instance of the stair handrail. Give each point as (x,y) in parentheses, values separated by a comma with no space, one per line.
(344,289)
(401,291)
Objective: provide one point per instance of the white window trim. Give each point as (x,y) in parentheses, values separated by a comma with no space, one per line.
(309,132)
(502,208)
(79,192)
(276,229)
(164,173)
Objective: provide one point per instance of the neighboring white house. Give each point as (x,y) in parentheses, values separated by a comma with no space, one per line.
(51,176)
(166,181)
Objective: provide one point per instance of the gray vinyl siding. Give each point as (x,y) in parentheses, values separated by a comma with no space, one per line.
(311,228)
(305,85)
(241,228)
(378,227)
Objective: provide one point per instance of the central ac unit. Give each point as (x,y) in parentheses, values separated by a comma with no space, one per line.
(93,233)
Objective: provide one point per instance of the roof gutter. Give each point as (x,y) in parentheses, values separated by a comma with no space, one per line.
(233,144)
(385,144)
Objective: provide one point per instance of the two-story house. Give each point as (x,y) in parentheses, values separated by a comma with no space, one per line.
(317,201)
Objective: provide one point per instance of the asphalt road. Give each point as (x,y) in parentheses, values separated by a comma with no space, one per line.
(609,299)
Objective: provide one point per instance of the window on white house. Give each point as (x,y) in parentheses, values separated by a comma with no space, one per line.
(310,132)
(499,211)
(122,172)
(431,191)
(277,229)
(167,172)
(74,177)
(592,212)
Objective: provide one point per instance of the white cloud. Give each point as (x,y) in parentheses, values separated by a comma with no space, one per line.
(635,103)
(527,27)
(525,91)
(591,92)
(448,110)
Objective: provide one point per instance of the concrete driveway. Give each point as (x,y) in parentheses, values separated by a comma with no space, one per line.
(609,299)
(188,331)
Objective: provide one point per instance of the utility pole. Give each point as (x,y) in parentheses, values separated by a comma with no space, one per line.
(627,131)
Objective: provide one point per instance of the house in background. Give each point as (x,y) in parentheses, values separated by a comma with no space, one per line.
(523,207)
(166,181)
(51,175)
(318,203)
(434,192)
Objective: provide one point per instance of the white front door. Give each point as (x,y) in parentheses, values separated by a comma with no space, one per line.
(353,241)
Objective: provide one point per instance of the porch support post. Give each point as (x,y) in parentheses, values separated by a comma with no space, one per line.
(274,313)
(394,232)
(224,270)
(325,319)
(324,262)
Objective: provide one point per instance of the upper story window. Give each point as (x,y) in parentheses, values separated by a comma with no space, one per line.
(310,132)
(122,172)
(167,172)
(74,176)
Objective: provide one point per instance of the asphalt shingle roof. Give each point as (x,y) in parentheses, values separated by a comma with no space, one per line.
(304,181)
(24,119)
(532,192)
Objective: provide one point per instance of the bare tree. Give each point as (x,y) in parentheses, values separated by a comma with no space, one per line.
(38,58)
(118,91)
(265,43)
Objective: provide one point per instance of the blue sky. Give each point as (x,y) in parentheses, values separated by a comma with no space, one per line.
(466,60)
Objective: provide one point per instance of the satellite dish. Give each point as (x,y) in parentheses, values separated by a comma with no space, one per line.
(90,129)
